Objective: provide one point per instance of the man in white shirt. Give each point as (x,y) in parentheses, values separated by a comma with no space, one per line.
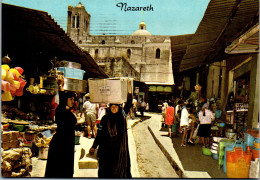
(90,111)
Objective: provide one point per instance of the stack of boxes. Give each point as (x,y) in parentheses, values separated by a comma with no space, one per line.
(73,76)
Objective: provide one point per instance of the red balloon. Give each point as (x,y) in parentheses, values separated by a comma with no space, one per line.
(22,82)
(19,69)
(19,92)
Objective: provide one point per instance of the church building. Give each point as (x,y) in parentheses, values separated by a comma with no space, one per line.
(142,56)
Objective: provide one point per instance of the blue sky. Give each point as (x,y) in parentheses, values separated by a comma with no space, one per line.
(169,17)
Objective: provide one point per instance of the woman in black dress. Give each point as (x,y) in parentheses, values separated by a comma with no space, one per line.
(113,153)
(60,162)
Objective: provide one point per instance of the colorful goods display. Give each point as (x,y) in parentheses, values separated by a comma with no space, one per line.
(12,83)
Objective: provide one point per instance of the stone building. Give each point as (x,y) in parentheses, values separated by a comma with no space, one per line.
(143,56)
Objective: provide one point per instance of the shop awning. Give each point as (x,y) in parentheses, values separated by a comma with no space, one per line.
(246,43)
(32,38)
(223,22)
(178,47)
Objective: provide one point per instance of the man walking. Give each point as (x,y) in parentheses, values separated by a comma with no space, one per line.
(90,111)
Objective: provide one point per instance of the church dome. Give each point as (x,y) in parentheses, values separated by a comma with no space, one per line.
(142,30)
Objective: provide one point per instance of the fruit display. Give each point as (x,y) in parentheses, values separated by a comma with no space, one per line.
(12,82)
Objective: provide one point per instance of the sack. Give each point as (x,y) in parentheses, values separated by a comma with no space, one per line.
(196,132)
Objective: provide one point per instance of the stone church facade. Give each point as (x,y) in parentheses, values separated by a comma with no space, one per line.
(145,57)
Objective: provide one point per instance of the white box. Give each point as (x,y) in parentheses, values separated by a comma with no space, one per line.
(110,90)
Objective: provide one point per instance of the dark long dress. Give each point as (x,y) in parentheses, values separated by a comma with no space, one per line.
(60,161)
(113,153)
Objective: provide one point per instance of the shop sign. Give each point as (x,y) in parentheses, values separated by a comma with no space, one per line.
(159,88)
(152,88)
(167,89)
(241,106)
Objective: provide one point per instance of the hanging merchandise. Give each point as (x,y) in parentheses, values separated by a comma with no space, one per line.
(12,83)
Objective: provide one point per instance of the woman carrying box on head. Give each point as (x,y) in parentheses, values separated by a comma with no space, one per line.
(60,162)
(112,143)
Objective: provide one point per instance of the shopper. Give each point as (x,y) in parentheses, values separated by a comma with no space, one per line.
(169,118)
(112,143)
(205,118)
(60,162)
(184,122)
(192,123)
(178,113)
(135,106)
(164,107)
(90,111)
(142,108)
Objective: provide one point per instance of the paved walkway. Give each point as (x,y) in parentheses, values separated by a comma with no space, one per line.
(191,156)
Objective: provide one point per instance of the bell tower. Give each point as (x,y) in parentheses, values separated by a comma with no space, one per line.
(78,22)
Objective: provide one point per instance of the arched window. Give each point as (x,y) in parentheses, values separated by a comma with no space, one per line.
(73,22)
(103,42)
(80,42)
(96,53)
(128,53)
(132,42)
(77,21)
(158,53)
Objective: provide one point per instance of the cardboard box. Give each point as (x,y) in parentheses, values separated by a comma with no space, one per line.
(5,145)
(6,136)
(111,90)
(14,144)
(14,135)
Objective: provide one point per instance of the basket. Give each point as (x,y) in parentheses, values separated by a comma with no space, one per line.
(215,156)
(206,151)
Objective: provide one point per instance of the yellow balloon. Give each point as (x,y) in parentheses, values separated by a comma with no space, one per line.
(15,72)
(17,84)
(4,73)
(6,67)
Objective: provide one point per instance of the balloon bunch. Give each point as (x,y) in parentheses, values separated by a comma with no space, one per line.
(12,82)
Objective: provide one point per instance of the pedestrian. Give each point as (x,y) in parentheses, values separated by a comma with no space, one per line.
(142,107)
(205,118)
(90,111)
(135,106)
(60,161)
(169,118)
(184,122)
(112,143)
(164,107)
(178,112)
(192,123)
